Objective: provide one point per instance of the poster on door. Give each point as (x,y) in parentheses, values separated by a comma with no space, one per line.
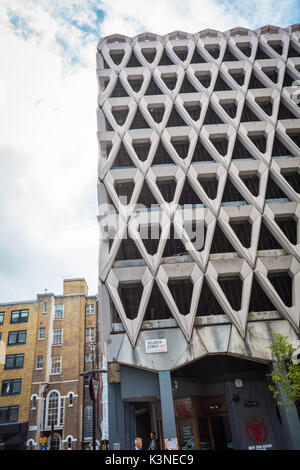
(171,443)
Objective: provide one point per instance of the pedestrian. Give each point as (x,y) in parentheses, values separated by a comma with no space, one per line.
(138,443)
(153,442)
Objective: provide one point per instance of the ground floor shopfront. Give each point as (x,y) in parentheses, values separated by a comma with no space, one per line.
(219,402)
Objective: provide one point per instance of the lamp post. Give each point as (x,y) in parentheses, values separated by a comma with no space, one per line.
(92,374)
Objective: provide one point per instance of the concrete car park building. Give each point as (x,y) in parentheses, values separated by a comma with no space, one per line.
(199,186)
(47,344)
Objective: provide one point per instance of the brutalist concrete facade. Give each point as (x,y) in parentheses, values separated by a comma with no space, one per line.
(198,130)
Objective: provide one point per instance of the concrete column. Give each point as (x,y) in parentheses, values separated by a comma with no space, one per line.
(167,407)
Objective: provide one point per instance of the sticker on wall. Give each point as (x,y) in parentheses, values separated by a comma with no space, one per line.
(257,432)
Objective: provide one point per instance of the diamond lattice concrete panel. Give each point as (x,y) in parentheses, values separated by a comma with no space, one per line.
(207,126)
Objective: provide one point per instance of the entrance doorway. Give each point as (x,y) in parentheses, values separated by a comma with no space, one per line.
(143,422)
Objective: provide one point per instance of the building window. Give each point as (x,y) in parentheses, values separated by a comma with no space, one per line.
(88,423)
(56,442)
(89,334)
(42,333)
(33,402)
(30,444)
(1,318)
(56,365)
(69,443)
(9,414)
(11,387)
(57,337)
(71,396)
(90,309)
(89,357)
(14,361)
(39,362)
(45,307)
(53,408)
(16,337)
(19,316)
(59,312)
(0,335)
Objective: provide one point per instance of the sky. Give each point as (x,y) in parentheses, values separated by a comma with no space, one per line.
(48,143)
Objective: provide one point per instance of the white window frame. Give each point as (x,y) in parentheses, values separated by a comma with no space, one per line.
(37,362)
(57,337)
(55,370)
(44,330)
(59,312)
(88,357)
(88,336)
(45,305)
(88,309)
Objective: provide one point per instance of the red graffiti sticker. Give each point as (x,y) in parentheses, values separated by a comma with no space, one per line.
(256,430)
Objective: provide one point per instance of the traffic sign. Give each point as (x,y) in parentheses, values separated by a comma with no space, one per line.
(94,388)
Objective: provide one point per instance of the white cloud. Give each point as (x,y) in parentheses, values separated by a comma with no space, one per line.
(48,146)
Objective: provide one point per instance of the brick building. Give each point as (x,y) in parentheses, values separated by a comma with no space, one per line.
(48,342)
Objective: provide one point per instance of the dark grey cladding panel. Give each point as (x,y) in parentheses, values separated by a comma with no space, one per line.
(138,384)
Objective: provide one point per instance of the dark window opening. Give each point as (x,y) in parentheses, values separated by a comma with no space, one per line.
(294,136)
(194,111)
(182,291)
(153,89)
(139,121)
(118,91)
(266,240)
(259,301)
(150,236)
(146,197)
(210,185)
(260,54)
(188,196)
(165,59)
(220,243)
(124,190)
(229,56)
(289,227)
(174,246)
(149,55)
(128,250)
(201,154)
(211,117)
(277,47)
(167,188)
(117,56)
(175,119)
(293,179)
(293,52)
(273,191)
(238,76)
(266,105)
(221,85)
(279,149)
(181,147)
(170,81)
(272,74)
(157,308)
(157,112)
(162,157)
(251,182)
(108,126)
(220,144)
(208,304)
(243,230)
(187,87)
(204,79)
(255,82)
(133,62)
(142,149)
(122,158)
(232,288)
(120,115)
(259,141)
(231,193)
(247,49)
(285,113)
(181,53)
(288,79)
(248,115)
(282,283)
(197,58)
(130,295)
(136,84)
(213,51)
(240,151)
(229,108)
